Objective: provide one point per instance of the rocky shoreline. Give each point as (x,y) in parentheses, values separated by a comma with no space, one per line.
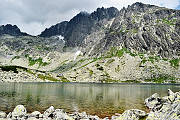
(161,108)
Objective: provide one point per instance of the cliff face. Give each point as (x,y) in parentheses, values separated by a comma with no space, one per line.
(58,29)
(81,25)
(144,28)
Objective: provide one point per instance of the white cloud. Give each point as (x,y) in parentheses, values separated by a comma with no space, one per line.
(124,3)
(33,16)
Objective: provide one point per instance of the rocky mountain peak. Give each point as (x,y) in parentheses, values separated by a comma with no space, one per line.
(80,25)
(104,13)
(11,30)
(140,7)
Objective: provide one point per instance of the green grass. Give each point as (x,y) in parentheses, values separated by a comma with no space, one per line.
(151,59)
(165,59)
(109,62)
(119,53)
(31,61)
(144,61)
(167,21)
(45,77)
(8,94)
(63,62)
(131,81)
(30,72)
(175,63)
(90,72)
(117,69)
(38,61)
(108,80)
(143,118)
(63,79)
(134,31)
(15,57)
(68,66)
(50,78)
(115,52)
(92,61)
(99,67)
(162,79)
(12,68)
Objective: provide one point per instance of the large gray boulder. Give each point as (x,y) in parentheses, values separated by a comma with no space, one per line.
(153,102)
(133,114)
(169,107)
(36,114)
(19,112)
(2,114)
(49,112)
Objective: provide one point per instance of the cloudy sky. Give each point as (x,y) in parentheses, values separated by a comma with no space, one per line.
(33,16)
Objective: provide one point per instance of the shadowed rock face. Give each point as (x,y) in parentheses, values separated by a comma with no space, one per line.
(11,30)
(58,29)
(80,26)
(144,28)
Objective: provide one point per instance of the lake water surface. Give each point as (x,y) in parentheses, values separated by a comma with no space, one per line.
(103,100)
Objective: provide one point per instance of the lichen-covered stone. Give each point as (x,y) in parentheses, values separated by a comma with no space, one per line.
(19,112)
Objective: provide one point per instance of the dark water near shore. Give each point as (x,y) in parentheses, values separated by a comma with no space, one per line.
(96,99)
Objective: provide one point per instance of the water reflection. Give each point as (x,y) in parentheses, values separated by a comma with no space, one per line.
(101,99)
